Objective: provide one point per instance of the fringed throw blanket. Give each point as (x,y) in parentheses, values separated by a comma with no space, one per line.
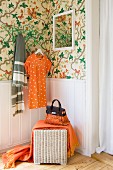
(19,77)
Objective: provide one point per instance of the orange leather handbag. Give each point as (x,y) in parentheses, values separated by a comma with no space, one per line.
(56,115)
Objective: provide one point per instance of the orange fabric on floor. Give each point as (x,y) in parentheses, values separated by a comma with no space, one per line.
(37,67)
(25,153)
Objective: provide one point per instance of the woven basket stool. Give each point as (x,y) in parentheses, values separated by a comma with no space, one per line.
(50,146)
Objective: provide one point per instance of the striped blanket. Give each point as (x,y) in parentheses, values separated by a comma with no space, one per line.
(19,78)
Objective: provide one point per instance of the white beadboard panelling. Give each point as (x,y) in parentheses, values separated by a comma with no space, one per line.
(17,130)
(72,95)
(42,113)
(4,114)
(80,112)
(36,114)
(70,108)
(34,117)
(25,120)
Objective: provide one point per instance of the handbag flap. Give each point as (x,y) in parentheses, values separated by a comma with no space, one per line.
(55,111)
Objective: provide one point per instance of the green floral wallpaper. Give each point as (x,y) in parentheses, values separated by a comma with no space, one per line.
(34,19)
(63,31)
(27,17)
(72,63)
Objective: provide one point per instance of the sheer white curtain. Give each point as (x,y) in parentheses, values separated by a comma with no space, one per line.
(106,77)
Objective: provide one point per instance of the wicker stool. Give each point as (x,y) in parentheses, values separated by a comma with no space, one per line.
(50,146)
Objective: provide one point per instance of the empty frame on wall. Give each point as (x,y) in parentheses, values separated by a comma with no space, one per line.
(64,30)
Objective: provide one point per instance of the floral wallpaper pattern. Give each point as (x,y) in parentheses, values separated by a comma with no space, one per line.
(63,31)
(27,17)
(34,19)
(72,63)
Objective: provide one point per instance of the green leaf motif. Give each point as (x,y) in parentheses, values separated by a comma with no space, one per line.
(41,38)
(53,4)
(29,18)
(71,57)
(36,22)
(10,52)
(11,5)
(62,10)
(18,22)
(79,2)
(82,10)
(39,14)
(79,50)
(83,38)
(84,32)
(23,5)
(82,60)
(57,71)
(30,34)
(14,15)
(46,26)
(64,23)
(0,58)
(51,41)
(76,43)
(63,37)
(1,10)
(49,33)
(53,59)
(13,39)
(68,77)
(6,44)
(58,25)
(61,55)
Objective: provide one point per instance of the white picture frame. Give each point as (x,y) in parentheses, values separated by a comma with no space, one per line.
(73,30)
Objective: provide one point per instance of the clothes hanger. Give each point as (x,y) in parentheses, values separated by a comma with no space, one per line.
(39,51)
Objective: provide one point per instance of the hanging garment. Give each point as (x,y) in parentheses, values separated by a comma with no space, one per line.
(37,68)
(19,78)
(25,153)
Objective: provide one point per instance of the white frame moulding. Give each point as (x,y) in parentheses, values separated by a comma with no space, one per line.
(73,30)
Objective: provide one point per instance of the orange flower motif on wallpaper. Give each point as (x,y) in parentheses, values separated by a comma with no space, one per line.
(32,12)
(61,18)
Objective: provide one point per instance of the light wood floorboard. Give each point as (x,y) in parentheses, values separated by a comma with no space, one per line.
(104,157)
(101,161)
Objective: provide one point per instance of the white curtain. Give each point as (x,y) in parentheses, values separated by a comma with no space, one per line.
(106,77)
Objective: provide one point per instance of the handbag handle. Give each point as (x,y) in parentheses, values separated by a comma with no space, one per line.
(58,103)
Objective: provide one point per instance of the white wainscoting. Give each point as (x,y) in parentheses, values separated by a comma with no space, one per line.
(72,94)
(17,130)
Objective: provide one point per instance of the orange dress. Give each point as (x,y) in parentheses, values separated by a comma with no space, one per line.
(37,68)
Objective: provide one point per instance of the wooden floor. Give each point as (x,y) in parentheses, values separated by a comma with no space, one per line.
(101,161)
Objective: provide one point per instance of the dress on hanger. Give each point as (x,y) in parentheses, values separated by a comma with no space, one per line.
(37,67)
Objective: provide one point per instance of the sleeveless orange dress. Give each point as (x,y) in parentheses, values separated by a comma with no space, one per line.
(37,68)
